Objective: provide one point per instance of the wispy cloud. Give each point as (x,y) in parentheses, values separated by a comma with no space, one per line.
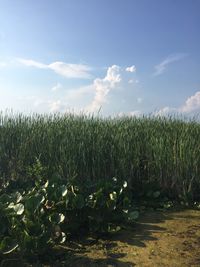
(32,63)
(67,70)
(160,68)
(191,105)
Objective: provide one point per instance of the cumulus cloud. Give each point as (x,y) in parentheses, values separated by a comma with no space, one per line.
(192,104)
(103,86)
(131,69)
(96,93)
(160,68)
(67,70)
(90,98)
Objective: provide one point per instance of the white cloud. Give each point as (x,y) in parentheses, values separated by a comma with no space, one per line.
(192,104)
(131,69)
(103,86)
(56,88)
(96,93)
(56,106)
(59,107)
(89,98)
(67,70)
(165,111)
(32,63)
(160,68)
(134,113)
(70,70)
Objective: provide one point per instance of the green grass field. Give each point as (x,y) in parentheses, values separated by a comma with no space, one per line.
(159,152)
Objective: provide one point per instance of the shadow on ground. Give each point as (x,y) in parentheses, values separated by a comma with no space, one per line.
(80,252)
(157,239)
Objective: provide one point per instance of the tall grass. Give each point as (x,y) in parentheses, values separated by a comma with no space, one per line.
(164,152)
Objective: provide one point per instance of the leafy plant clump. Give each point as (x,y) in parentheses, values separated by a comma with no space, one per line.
(33,221)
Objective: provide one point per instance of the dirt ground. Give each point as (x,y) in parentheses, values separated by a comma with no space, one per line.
(158,239)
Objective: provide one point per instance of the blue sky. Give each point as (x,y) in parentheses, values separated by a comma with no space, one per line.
(121,57)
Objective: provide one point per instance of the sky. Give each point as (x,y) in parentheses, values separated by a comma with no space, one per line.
(124,57)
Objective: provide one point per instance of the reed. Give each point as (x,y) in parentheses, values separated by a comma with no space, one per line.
(150,150)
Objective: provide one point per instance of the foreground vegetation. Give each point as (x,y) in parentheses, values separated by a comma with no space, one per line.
(63,174)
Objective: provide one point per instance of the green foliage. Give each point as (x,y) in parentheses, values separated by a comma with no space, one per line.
(144,150)
(52,210)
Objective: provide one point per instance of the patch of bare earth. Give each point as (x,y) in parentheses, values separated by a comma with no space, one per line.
(158,239)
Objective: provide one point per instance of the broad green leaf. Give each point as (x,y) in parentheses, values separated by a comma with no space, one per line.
(57,218)
(16,197)
(64,190)
(19,208)
(8,245)
(63,238)
(33,202)
(34,228)
(113,196)
(125,184)
(46,184)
